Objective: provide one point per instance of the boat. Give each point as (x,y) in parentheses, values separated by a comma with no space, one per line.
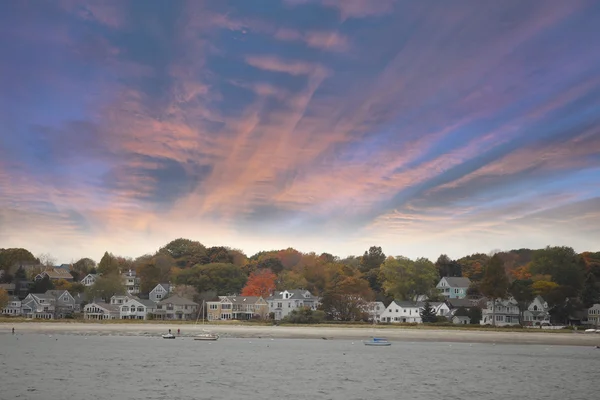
(377,342)
(207,336)
(168,336)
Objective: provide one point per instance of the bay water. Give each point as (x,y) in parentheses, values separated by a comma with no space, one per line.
(74,367)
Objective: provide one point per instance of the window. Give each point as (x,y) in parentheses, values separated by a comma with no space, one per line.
(279,305)
(500,318)
(214,306)
(159,296)
(140,309)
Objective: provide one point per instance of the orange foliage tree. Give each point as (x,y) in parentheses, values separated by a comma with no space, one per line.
(260,283)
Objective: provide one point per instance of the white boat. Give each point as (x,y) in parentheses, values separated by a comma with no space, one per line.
(209,336)
(377,342)
(168,336)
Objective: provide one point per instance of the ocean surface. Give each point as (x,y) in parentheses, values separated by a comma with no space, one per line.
(77,367)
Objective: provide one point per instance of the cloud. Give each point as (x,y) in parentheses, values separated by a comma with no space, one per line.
(352,8)
(324,40)
(276,64)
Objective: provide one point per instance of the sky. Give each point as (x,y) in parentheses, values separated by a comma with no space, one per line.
(423,127)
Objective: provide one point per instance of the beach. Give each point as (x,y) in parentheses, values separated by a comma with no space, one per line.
(309,332)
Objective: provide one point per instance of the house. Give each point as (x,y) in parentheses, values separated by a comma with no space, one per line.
(66,267)
(176,308)
(100,310)
(402,312)
(54,274)
(8,287)
(282,303)
(120,299)
(440,308)
(505,312)
(461,320)
(453,287)
(161,291)
(236,307)
(135,308)
(537,313)
(375,309)
(593,315)
(89,279)
(39,305)
(131,282)
(13,308)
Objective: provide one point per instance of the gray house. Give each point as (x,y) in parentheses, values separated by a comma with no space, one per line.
(284,302)
(453,287)
(176,308)
(160,292)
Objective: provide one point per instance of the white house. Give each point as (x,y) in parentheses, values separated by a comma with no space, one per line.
(282,303)
(440,308)
(593,315)
(375,309)
(506,312)
(453,287)
(13,308)
(89,279)
(135,308)
(100,310)
(537,313)
(119,299)
(161,291)
(402,312)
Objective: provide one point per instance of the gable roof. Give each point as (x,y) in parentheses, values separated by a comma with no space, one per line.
(406,304)
(457,281)
(456,303)
(57,293)
(178,301)
(295,295)
(107,306)
(244,299)
(165,286)
(57,273)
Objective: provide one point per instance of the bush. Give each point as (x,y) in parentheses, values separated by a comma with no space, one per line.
(305,316)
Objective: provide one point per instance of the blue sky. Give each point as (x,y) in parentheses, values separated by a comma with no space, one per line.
(423,127)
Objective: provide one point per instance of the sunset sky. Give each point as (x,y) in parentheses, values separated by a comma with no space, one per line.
(424,127)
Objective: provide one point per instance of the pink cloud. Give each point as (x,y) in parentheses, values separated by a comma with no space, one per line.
(324,40)
(276,64)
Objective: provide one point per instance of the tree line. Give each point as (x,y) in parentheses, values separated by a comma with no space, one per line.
(568,281)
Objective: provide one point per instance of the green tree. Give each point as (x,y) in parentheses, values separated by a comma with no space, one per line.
(428,313)
(447,267)
(494,284)
(522,291)
(105,287)
(82,267)
(475,315)
(219,254)
(563,264)
(224,279)
(186,253)
(590,293)
(404,279)
(108,264)
(373,258)
(272,263)
(3,298)
(153,270)
(42,285)
(15,256)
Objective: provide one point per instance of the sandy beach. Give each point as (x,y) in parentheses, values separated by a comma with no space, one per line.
(310,332)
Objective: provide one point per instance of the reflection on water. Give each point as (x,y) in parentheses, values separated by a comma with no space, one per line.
(36,366)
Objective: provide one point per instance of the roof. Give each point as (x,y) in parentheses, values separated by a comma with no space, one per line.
(295,294)
(165,286)
(244,299)
(457,281)
(456,303)
(145,302)
(57,273)
(178,301)
(406,304)
(106,306)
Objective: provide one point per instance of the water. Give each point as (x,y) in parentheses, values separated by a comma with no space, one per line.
(37,366)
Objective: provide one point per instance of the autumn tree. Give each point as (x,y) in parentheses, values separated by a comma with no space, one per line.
(15,256)
(272,263)
(224,279)
(260,283)
(404,278)
(82,267)
(105,287)
(563,264)
(153,270)
(219,254)
(3,298)
(494,284)
(47,260)
(186,253)
(346,295)
(291,280)
(108,264)
(373,258)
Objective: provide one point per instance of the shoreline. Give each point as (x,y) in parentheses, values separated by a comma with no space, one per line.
(309,332)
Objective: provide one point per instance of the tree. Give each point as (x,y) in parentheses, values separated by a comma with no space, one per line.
(153,270)
(105,287)
(543,288)
(447,267)
(404,279)
(82,267)
(590,293)
(291,280)
(563,264)
(42,285)
(3,299)
(219,254)
(47,260)
(372,259)
(15,256)
(224,279)
(272,263)
(260,283)
(494,284)
(475,315)
(428,313)
(522,292)
(186,253)
(108,264)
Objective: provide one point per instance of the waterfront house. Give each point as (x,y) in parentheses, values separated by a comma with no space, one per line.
(131,282)
(237,307)
(120,299)
(461,319)
(176,308)
(135,308)
(374,309)
(402,312)
(160,291)
(505,312)
(54,274)
(89,279)
(453,287)
(13,308)
(282,303)
(537,313)
(64,303)
(39,305)
(593,315)
(100,310)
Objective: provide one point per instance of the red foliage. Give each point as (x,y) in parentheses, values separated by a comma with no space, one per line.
(260,283)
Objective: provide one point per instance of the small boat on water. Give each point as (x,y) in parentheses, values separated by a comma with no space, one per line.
(168,336)
(377,342)
(207,336)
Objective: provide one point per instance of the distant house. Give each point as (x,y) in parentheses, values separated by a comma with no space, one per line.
(99,310)
(176,308)
(13,308)
(9,287)
(89,279)
(135,308)
(375,309)
(160,291)
(39,305)
(402,312)
(236,307)
(284,302)
(505,313)
(131,282)
(453,287)
(461,320)
(440,308)
(54,274)
(593,315)
(537,313)
(66,267)
(120,299)
(64,302)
